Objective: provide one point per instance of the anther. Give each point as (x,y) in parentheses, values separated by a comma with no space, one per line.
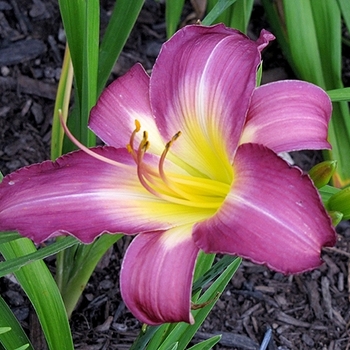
(137,125)
(130,145)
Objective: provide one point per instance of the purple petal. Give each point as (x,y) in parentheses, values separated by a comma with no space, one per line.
(84,197)
(288,116)
(120,104)
(201,85)
(273,215)
(156,276)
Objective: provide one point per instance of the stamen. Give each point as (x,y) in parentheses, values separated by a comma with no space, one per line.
(171,188)
(84,148)
(162,158)
(130,146)
(171,185)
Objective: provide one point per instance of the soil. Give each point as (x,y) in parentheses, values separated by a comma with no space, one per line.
(307,311)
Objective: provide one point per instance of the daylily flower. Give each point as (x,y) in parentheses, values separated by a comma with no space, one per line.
(191,164)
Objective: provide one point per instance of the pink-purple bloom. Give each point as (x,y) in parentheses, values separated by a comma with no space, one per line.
(190,164)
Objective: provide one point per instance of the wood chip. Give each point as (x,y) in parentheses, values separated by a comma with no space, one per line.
(28,85)
(21,51)
(340,284)
(327,299)
(333,268)
(104,327)
(281,316)
(314,298)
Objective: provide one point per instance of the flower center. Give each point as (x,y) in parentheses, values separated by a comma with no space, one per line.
(171,186)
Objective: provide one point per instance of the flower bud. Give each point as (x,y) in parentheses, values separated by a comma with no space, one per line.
(321,173)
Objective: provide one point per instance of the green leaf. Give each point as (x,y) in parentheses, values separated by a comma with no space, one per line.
(90,54)
(4,330)
(345,11)
(147,334)
(173,10)
(241,13)
(338,95)
(9,236)
(73,17)
(340,202)
(234,14)
(12,335)
(61,105)
(327,192)
(206,344)
(216,11)
(17,262)
(40,287)
(25,346)
(203,264)
(215,271)
(122,20)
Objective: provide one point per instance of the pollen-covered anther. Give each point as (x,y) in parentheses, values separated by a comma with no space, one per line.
(130,145)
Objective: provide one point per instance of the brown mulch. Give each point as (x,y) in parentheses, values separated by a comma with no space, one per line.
(307,311)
